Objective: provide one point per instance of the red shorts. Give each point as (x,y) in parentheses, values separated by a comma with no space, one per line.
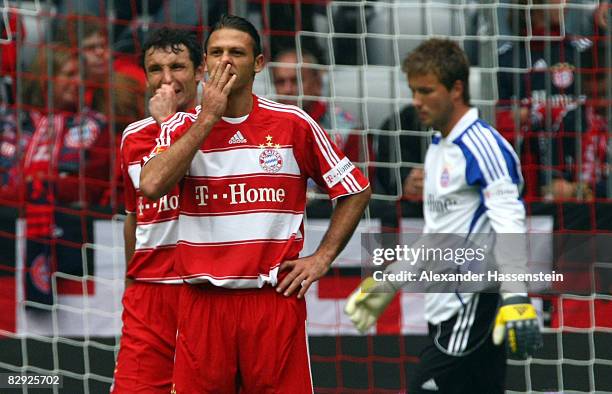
(252,341)
(146,352)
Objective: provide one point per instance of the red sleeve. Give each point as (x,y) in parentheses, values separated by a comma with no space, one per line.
(322,161)
(171,130)
(136,145)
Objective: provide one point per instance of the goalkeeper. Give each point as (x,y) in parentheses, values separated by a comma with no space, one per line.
(472,185)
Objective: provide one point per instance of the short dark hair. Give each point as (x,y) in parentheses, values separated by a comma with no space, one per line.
(240,24)
(445,59)
(173,39)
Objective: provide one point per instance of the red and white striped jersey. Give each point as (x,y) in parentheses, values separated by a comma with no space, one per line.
(156,221)
(242,201)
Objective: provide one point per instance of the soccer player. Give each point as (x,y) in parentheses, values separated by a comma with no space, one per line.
(472,185)
(242,165)
(172,60)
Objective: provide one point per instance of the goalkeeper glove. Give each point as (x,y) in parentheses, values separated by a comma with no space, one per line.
(368,302)
(517,321)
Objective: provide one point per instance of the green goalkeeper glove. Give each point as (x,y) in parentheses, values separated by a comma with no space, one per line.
(368,302)
(517,321)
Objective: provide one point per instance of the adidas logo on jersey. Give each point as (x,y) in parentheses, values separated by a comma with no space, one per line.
(237,138)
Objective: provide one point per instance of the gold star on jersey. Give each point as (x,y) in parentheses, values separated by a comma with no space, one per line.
(270,159)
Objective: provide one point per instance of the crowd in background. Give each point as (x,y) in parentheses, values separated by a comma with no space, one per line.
(63,110)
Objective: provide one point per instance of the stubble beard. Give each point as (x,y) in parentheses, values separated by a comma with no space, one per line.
(443,119)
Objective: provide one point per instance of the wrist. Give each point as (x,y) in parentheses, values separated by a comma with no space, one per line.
(515,298)
(207,121)
(505,296)
(161,119)
(166,118)
(323,259)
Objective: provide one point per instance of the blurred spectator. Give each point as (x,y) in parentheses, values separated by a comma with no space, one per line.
(100,78)
(411,149)
(551,111)
(52,155)
(59,154)
(116,90)
(309,85)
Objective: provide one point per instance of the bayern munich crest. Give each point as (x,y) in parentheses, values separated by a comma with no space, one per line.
(270,159)
(562,75)
(40,274)
(445,178)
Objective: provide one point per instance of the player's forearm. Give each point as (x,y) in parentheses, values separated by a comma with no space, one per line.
(510,248)
(166,169)
(344,220)
(507,217)
(504,207)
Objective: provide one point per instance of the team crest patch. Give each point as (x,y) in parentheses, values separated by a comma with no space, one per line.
(159,149)
(445,178)
(82,135)
(39,272)
(270,159)
(562,75)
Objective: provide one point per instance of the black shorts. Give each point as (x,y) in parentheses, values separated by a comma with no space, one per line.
(462,357)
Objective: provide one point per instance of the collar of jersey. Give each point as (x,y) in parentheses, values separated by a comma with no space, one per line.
(245,117)
(466,120)
(235,120)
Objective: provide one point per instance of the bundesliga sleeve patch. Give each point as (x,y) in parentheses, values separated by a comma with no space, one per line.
(337,173)
(158,149)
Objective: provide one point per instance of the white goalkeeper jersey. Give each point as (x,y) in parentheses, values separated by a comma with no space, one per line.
(472,185)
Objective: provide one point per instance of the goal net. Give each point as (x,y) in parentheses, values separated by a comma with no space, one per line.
(61,261)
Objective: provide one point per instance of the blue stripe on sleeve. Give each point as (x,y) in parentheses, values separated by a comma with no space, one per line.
(476,143)
(473,173)
(486,134)
(482,152)
(511,160)
(478,213)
